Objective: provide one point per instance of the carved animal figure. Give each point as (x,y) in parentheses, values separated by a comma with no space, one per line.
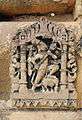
(48,84)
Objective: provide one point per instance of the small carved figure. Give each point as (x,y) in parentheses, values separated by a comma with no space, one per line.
(48,84)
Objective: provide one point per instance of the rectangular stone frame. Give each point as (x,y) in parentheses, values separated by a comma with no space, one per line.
(22,98)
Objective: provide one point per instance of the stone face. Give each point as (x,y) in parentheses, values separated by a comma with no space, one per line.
(14,7)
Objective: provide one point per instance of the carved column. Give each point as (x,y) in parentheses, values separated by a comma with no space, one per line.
(23,82)
(14,71)
(72,75)
(63,67)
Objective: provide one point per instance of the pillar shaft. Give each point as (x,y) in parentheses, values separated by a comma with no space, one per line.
(23,64)
(23,81)
(63,67)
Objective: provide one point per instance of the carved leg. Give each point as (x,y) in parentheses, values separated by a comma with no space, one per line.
(51,89)
(56,87)
(33,87)
(43,89)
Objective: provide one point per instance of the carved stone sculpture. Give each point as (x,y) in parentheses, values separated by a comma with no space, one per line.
(44,66)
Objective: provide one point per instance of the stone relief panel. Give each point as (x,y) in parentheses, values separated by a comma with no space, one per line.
(43,66)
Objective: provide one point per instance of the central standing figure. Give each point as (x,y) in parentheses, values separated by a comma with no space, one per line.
(42,66)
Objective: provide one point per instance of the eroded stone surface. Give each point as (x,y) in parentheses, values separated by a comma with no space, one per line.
(45,115)
(14,7)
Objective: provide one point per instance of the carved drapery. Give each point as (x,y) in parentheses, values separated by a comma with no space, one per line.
(44,66)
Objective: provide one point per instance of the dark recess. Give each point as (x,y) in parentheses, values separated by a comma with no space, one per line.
(4,17)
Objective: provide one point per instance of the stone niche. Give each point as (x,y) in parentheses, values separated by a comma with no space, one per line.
(43,66)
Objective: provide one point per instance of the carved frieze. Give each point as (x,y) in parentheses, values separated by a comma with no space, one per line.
(43,66)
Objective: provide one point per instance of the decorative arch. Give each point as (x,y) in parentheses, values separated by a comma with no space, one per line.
(43,66)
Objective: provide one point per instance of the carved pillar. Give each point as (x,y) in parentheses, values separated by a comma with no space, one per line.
(72,75)
(15,71)
(23,82)
(63,67)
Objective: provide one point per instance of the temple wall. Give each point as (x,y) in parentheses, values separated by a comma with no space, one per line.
(24,13)
(8,29)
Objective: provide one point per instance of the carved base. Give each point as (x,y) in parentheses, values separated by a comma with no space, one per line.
(59,104)
(50,100)
(29,94)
